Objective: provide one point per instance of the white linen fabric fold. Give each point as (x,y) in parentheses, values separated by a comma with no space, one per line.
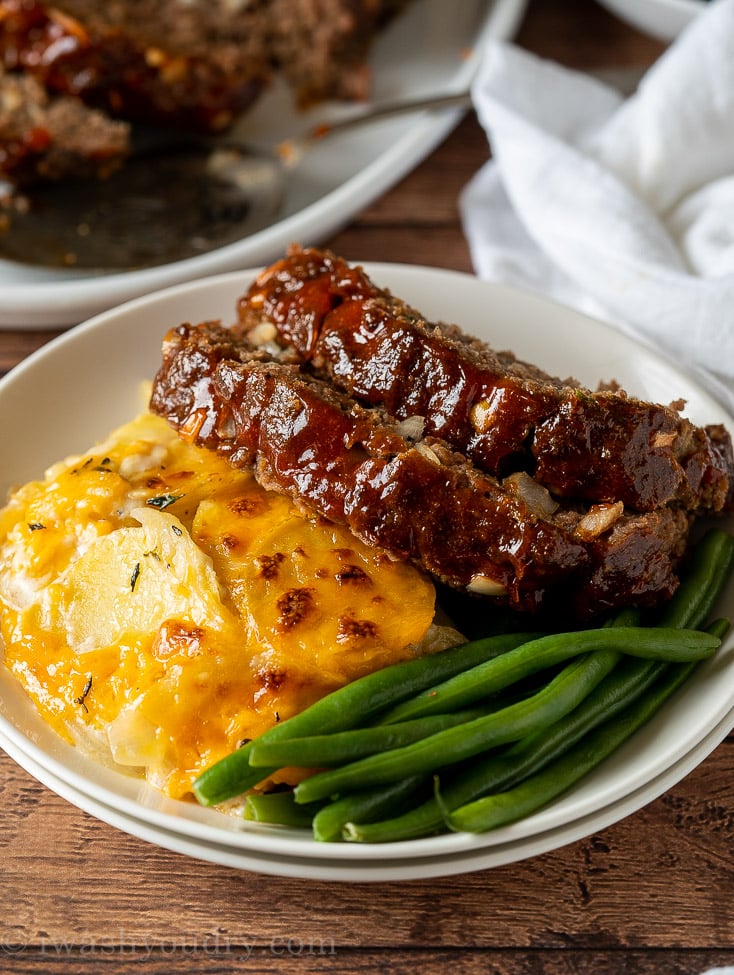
(621,208)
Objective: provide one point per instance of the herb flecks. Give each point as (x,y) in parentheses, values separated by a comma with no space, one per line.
(35,526)
(134,577)
(163,501)
(82,699)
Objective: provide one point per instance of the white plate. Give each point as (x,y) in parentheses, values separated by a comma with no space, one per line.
(432,48)
(90,378)
(378,868)
(664,19)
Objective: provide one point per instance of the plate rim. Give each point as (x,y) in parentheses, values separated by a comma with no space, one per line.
(376,870)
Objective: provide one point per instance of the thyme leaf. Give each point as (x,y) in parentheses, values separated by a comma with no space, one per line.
(163,501)
(82,699)
(135,576)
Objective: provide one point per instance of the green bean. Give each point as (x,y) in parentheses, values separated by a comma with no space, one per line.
(625,617)
(280,808)
(719,628)
(524,758)
(710,566)
(347,746)
(368,805)
(277,809)
(657,643)
(347,707)
(229,777)
(536,791)
(702,585)
(444,748)
(363,806)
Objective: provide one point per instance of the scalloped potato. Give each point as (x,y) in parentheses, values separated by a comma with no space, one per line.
(159,607)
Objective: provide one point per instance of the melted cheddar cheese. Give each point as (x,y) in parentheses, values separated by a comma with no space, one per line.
(157,603)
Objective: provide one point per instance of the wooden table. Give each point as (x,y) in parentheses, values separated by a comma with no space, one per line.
(651,894)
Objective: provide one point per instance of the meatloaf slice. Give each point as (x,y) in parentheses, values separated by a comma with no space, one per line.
(414,498)
(43,137)
(504,414)
(321,46)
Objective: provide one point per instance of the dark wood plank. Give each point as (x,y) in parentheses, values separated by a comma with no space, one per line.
(16,346)
(584,35)
(74,878)
(429,195)
(297,957)
(434,246)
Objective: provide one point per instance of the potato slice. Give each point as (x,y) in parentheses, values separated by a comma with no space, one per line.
(131,581)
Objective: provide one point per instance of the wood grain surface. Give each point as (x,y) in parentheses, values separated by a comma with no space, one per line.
(650,895)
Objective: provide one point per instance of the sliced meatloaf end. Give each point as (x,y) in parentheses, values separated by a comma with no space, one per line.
(197,65)
(53,138)
(503,413)
(418,502)
(639,555)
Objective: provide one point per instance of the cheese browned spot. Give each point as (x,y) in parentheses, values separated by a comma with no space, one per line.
(269,565)
(294,606)
(351,628)
(351,574)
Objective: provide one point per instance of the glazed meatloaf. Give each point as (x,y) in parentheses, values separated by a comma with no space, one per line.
(411,495)
(487,472)
(50,138)
(198,64)
(193,64)
(506,415)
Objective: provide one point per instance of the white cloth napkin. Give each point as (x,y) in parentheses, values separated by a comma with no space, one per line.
(621,208)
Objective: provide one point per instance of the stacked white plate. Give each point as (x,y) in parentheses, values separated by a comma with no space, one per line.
(90,381)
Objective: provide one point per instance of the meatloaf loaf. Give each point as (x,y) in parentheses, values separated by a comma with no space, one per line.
(411,495)
(486,471)
(192,64)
